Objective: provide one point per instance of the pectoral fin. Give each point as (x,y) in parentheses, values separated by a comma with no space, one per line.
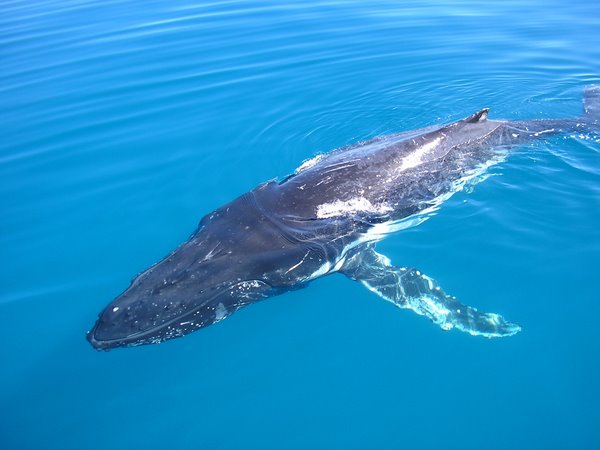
(410,289)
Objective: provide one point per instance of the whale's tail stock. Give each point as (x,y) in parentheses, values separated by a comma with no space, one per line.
(591,106)
(589,121)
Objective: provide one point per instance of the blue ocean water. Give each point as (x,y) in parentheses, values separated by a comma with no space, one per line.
(124,122)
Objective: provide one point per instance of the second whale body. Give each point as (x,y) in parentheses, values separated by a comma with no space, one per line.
(325,218)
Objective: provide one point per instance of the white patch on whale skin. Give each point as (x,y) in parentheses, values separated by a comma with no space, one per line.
(380,230)
(220,312)
(543,131)
(429,305)
(354,205)
(416,157)
(309,163)
(297,264)
(340,263)
(325,268)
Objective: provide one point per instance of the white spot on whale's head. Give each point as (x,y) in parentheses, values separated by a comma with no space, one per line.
(352,206)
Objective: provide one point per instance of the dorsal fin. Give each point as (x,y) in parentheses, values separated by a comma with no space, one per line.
(479,116)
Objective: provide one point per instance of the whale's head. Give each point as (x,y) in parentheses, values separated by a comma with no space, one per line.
(200,283)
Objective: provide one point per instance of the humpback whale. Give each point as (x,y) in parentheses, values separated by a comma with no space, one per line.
(326,218)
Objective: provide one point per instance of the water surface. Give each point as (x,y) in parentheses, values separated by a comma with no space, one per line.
(124,122)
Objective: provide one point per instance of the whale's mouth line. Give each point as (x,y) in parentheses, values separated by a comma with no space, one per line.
(135,336)
(140,334)
(123,341)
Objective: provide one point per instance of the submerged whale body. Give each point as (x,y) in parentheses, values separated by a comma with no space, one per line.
(327,217)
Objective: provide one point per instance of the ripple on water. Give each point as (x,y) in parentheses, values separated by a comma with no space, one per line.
(123,122)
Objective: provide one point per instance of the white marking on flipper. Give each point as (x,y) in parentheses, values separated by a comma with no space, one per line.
(410,289)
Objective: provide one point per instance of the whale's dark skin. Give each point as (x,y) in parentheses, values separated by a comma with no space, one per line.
(326,218)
